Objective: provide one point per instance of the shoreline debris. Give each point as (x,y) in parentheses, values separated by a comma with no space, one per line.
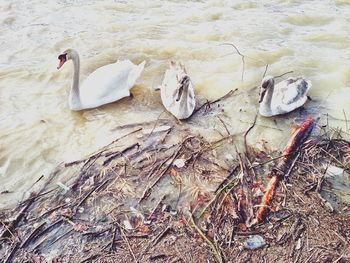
(169,195)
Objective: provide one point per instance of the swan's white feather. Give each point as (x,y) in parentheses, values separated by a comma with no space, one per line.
(109,83)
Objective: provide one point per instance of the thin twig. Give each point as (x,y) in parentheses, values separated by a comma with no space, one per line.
(283,74)
(155,124)
(240,54)
(246,189)
(217,253)
(208,103)
(10,255)
(224,124)
(61,236)
(346,120)
(19,216)
(32,235)
(157,238)
(99,153)
(233,181)
(246,133)
(156,206)
(113,238)
(128,244)
(146,193)
(267,65)
(96,188)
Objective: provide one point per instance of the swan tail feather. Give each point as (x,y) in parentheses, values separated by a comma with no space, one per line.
(309,84)
(135,73)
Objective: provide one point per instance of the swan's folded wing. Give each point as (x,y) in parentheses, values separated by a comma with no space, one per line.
(108,83)
(295,91)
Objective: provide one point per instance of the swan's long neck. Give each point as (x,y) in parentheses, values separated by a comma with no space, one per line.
(266,105)
(185,90)
(74,92)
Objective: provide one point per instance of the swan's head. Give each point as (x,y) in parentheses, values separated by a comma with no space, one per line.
(178,67)
(266,83)
(65,56)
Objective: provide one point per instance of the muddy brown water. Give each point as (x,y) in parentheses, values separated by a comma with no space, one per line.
(38,131)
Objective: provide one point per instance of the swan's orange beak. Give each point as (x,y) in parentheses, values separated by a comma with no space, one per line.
(63,59)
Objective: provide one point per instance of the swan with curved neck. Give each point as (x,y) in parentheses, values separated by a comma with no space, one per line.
(177,92)
(283,97)
(105,85)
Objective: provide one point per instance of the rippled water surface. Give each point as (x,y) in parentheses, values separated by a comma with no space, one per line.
(38,131)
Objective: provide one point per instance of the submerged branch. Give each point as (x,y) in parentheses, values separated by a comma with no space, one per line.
(279,76)
(240,54)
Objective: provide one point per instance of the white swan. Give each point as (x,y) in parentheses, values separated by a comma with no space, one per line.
(105,85)
(285,97)
(177,92)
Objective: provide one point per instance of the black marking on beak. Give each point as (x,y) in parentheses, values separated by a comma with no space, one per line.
(63,59)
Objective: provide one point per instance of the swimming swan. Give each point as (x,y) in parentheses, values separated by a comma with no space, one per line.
(177,91)
(105,85)
(285,97)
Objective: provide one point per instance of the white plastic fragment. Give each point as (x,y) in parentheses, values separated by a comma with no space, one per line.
(298,244)
(254,242)
(229,157)
(334,171)
(173,212)
(179,163)
(258,193)
(127,225)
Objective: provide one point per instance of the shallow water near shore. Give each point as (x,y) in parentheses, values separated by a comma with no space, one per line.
(38,131)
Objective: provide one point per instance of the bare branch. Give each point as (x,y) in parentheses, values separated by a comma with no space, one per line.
(267,65)
(283,74)
(240,54)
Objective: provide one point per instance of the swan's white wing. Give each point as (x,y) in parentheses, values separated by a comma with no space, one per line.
(109,83)
(291,93)
(169,88)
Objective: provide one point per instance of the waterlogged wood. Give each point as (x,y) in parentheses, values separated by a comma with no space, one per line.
(278,173)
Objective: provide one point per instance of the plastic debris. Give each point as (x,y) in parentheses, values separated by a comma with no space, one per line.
(229,157)
(173,212)
(298,244)
(127,225)
(179,163)
(334,171)
(254,242)
(258,193)
(63,186)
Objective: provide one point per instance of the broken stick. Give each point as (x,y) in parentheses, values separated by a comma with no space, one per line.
(277,174)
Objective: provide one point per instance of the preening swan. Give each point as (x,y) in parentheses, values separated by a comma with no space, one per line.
(177,91)
(105,85)
(285,97)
